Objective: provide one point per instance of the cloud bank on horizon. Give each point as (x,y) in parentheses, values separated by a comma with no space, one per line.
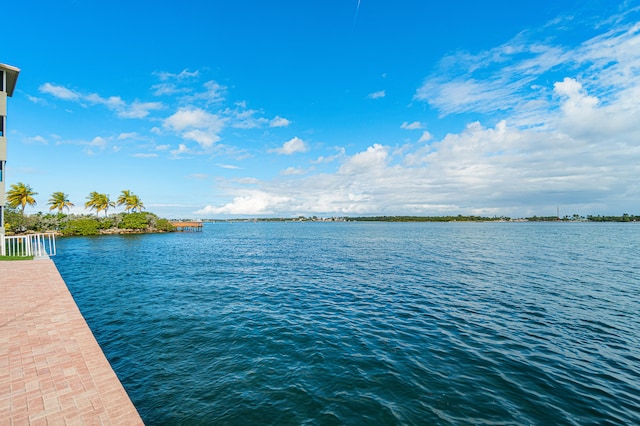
(548,118)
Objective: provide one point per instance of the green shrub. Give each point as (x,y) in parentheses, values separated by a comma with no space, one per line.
(134,221)
(81,226)
(13,220)
(105,223)
(71,224)
(164,225)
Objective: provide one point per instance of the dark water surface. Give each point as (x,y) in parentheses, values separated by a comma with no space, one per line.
(369,323)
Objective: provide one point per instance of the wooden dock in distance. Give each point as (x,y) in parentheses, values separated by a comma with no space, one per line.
(191,226)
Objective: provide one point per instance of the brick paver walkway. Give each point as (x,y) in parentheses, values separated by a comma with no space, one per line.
(52,371)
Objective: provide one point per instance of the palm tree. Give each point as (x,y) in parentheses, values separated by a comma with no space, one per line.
(135,203)
(124,197)
(99,202)
(21,195)
(106,203)
(60,201)
(131,201)
(93,200)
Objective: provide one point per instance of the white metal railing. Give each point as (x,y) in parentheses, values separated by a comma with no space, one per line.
(36,245)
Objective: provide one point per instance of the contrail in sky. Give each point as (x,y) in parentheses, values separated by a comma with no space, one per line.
(355,18)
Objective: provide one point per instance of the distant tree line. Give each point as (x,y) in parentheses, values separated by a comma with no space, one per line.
(458,218)
(577,218)
(624,218)
(543,219)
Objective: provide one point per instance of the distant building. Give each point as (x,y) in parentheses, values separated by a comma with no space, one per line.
(8,78)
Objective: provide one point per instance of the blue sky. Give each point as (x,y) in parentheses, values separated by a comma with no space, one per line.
(211,109)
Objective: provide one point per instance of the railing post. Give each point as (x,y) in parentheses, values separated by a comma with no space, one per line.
(35,245)
(52,242)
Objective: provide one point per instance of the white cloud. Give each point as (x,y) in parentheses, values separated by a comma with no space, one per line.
(99,141)
(291,147)
(190,117)
(213,93)
(130,135)
(377,95)
(182,75)
(36,100)
(426,137)
(504,170)
(113,102)
(247,181)
(330,159)
(205,138)
(139,109)
(182,150)
(577,99)
(279,122)
(97,144)
(291,171)
(587,118)
(465,95)
(375,157)
(411,126)
(147,155)
(514,78)
(251,203)
(136,109)
(243,118)
(59,92)
(197,125)
(168,89)
(200,117)
(38,139)
(169,82)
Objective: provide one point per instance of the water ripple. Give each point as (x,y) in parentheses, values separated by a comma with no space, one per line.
(368,323)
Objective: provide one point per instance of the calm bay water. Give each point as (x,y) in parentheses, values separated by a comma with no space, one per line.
(369,323)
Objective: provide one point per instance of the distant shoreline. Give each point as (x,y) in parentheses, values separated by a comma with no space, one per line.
(458,218)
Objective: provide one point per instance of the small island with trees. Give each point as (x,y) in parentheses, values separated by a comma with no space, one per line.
(132,221)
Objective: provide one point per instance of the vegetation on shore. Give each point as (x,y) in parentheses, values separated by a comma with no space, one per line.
(574,218)
(368,219)
(73,224)
(132,220)
(624,218)
(459,218)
